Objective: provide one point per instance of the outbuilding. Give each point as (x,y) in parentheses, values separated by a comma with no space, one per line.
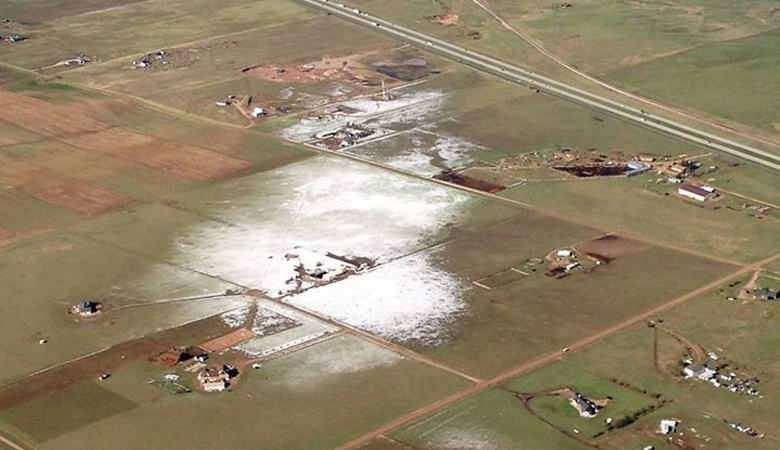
(698,193)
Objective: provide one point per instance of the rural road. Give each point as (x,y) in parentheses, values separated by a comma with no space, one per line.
(545,359)
(545,84)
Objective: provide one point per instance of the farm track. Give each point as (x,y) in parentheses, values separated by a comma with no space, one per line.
(10,443)
(525,399)
(546,359)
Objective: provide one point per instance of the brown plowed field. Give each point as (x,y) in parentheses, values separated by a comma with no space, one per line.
(44,118)
(192,162)
(82,197)
(112,140)
(229,340)
(179,160)
(44,184)
(611,247)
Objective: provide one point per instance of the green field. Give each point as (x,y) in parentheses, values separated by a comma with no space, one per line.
(729,80)
(324,388)
(496,418)
(622,367)
(626,205)
(537,314)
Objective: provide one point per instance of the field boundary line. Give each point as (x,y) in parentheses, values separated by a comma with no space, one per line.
(545,359)
(376,340)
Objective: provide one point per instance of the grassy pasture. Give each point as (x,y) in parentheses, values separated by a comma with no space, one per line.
(356,387)
(76,268)
(744,179)
(495,417)
(740,332)
(623,400)
(535,122)
(514,322)
(724,79)
(64,411)
(142,26)
(38,11)
(625,205)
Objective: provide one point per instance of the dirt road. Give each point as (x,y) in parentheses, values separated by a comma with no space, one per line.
(546,359)
(9,443)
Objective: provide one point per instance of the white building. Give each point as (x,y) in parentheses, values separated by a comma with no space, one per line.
(667,426)
(698,193)
(699,371)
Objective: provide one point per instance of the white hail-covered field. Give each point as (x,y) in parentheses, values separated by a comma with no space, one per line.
(346,208)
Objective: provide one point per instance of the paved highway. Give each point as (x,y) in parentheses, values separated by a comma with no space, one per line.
(533,80)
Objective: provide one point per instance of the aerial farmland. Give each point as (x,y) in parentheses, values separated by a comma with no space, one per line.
(389,225)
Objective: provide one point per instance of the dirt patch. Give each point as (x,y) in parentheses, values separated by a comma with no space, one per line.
(409,70)
(610,247)
(175,58)
(306,73)
(227,341)
(82,197)
(6,236)
(447,20)
(594,170)
(470,182)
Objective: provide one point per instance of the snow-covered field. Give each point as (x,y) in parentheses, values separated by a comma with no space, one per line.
(408,300)
(322,204)
(265,345)
(407,107)
(328,361)
(420,152)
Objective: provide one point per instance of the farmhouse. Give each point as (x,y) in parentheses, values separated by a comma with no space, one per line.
(585,406)
(213,379)
(698,193)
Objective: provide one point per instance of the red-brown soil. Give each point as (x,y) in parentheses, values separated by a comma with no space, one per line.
(610,247)
(229,340)
(470,182)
